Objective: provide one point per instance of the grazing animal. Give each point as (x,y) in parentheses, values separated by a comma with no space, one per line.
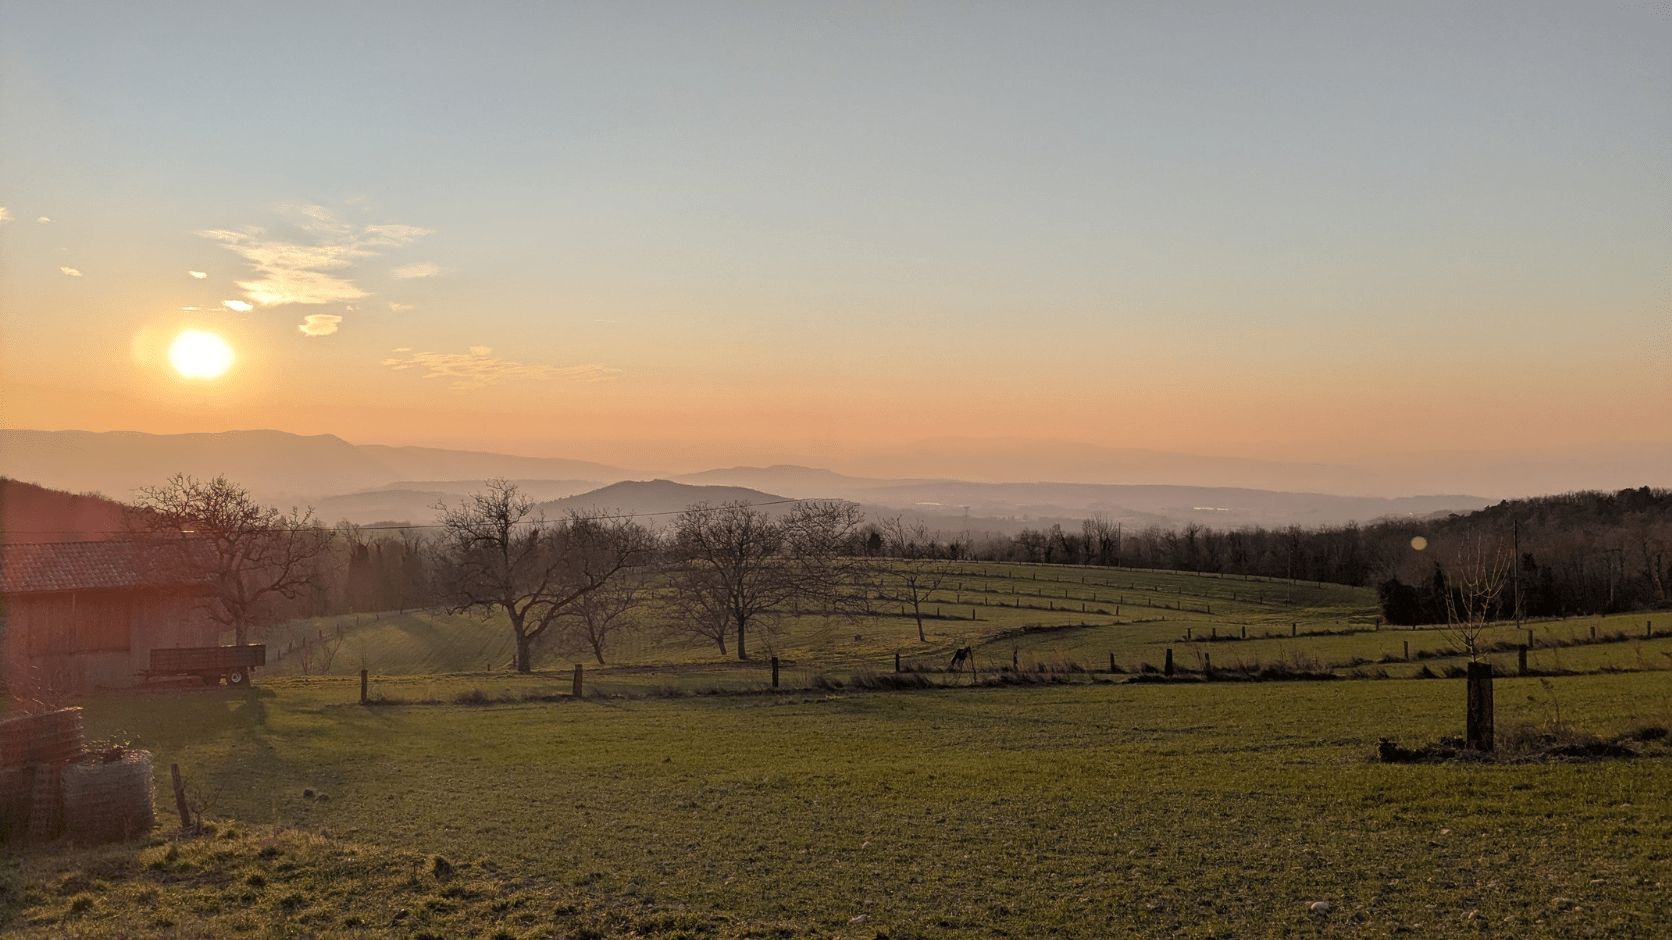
(962,655)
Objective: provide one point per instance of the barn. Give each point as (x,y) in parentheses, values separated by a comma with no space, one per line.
(84,615)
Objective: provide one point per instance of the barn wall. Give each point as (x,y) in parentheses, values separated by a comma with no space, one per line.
(76,641)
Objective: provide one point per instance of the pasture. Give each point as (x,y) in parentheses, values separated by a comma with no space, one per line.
(1060,618)
(468,801)
(1079,810)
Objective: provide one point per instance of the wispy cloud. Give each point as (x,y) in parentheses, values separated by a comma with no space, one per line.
(43,219)
(72,272)
(399,308)
(237,305)
(294,272)
(200,275)
(479,368)
(5,216)
(319,324)
(424,269)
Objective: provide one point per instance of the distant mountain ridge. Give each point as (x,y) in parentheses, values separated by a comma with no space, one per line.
(662,499)
(381,483)
(275,465)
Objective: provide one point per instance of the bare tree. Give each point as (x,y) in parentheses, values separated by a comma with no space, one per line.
(735,567)
(249,556)
(1102,537)
(496,553)
(912,573)
(598,618)
(1479,574)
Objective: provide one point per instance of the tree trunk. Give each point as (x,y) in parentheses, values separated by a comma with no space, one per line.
(742,625)
(525,647)
(919,614)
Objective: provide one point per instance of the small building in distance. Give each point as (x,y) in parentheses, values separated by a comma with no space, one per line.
(84,615)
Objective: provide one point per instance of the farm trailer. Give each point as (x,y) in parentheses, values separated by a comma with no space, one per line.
(209,663)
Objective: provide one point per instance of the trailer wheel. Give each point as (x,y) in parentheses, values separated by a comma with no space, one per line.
(235,677)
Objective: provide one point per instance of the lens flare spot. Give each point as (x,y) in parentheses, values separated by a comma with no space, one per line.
(199,355)
(1419,543)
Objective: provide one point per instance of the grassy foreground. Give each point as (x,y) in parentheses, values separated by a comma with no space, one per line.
(1079,810)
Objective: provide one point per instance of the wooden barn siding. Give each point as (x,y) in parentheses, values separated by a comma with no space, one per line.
(88,639)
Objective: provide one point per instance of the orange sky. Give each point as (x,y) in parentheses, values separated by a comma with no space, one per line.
(1368,237)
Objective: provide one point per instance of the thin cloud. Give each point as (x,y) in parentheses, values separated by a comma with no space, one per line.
(399,308)
(237,305)
(5,215)
(43,219)
(319,324)
(72,272)
(479,368)
(200,275)
(424,269)
(295,273)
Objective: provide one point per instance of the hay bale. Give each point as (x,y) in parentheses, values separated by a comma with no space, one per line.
(46,804)
(17,795)
(48,738)
(108,801)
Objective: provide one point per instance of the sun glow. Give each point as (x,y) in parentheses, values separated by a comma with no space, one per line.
(199,355)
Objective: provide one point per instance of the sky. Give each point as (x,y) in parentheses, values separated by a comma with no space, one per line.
(696,235)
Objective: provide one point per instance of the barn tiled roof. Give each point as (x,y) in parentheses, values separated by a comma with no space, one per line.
(41,567)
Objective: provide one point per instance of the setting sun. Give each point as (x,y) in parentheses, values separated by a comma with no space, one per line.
(199,355)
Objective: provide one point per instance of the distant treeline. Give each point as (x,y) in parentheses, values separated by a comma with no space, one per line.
(1579,554)
(1574,554)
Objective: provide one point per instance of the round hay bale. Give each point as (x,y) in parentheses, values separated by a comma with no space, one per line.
(17,796)
(48,738)
(109,801)
(46,803)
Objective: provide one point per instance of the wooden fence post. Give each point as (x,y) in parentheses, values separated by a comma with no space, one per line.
(1407,650)
(896,660)
(1522,657)
(775,670)
(363,700)
(1111,662)
(180,798)
(1245,631)
(576,692)
(1478,732)
(1593,633)
(1294,628)
(1207,664)
(1168,668)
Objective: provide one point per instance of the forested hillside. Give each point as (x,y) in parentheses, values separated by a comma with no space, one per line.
(1575,553)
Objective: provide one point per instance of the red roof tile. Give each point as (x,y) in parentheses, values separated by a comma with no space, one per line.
(42,567)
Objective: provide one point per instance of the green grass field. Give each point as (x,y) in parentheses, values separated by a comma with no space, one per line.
(1080,810)
(1087,806)
(1022,615)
